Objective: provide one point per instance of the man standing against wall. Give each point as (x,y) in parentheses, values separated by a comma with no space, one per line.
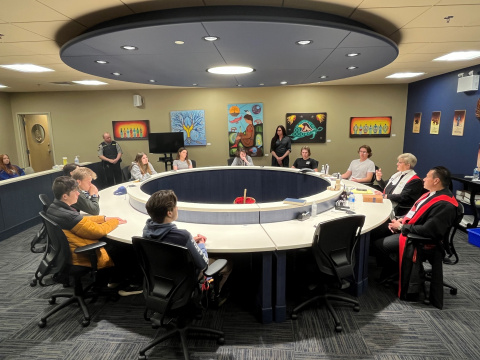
(110,153)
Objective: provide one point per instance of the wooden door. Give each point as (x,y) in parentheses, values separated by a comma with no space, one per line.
(37,135)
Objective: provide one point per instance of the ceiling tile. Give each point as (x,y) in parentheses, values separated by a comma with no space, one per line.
(29,10)
(464,15)
(13,34)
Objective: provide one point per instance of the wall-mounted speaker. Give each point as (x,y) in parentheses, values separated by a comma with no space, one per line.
(468,83)
(137,100)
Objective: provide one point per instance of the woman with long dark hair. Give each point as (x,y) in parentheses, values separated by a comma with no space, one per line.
(7,170)
(280,147)
(141,169)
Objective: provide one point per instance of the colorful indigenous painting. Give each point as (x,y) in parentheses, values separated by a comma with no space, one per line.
(458,122)
(378,126)
(307,127)
(131,130)
(435,122)
(417,120)
(245,128)
(192,124)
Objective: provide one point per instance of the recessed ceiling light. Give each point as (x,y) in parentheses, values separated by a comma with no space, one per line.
(323,77)
(261,84)
(116,74)
(283,82)
(3,86)
(129,47)
(179,42)
(210,38)
(90,82)
(101,62)
(404,75)
(194,84)
(26,68)
(230,70)
(152,81)
(303,42)
(459,55)
(352,67)
(239,85)
(352,54)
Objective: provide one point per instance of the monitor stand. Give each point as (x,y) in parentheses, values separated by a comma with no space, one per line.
(168,160)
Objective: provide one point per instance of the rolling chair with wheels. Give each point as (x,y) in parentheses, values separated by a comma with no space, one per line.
(57,267)
(40,242)
(126,176)
(194,163)
(230,161)
(437,252)
(171,289)
(333,247)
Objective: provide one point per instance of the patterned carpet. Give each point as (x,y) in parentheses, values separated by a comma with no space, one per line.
(384,329)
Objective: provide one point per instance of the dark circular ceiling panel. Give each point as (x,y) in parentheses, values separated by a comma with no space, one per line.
(169,47)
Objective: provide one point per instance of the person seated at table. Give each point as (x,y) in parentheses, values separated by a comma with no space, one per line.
(81,230)
(361,170)
(141,169)
(8,170)
(242,159)
(163,211)
(305,162)
(404,187)
(69,168)
(182,162)
(88,193)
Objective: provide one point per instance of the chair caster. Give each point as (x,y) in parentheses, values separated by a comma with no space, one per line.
(356,308)
(85,323)
(221,341)
(294,316)
(453,291)
(52,301)
(426,301)
(338,328)
(33,283)
(142,357)
(42,323)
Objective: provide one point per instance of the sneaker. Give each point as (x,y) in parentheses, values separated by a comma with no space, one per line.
(131,290)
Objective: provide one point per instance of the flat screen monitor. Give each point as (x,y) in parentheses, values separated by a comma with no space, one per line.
(165,143)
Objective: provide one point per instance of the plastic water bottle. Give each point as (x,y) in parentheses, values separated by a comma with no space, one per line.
(323,170)
(327,169)
(351,201)
(77,160)
(475,173)
(314,209)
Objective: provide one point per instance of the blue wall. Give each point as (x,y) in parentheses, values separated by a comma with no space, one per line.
(457,153)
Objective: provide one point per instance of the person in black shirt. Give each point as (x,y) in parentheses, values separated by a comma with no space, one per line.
(305,162)
(110,153)
(281,147)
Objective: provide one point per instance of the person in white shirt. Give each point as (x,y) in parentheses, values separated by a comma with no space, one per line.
(363,169)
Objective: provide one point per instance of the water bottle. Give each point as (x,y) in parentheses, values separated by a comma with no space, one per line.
(475,173)
(323,170)
(351,201)
(327,169)
(77,160)
(314,209)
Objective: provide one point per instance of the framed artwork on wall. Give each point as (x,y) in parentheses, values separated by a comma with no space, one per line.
(131,130)
(417,120)
(307,127)
(373,126)
(458,122)
(245,128)
(435,122)
(192,124)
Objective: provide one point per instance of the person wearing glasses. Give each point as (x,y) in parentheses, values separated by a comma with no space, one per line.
(361,170)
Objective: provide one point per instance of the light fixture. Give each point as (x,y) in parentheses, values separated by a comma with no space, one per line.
(470,73)
(352,67)
(404,75)
(116,73)
(179,42)
(460,75)
(3,86)
(26,68)
(152,81)
(101,62)
(239,85)
(230,70)
(303,42)
(210,38)
(129,47)
(283,82)
(194,84)
(261,84)
(352,54)
(323,77)
(90,82)
(459,55)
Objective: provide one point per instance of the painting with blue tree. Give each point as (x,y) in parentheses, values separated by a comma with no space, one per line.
(192,124)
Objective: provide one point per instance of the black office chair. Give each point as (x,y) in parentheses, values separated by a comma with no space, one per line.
(437,252)
(56,267)
(171,289)
(40,241)
(126,176)
(230,161)
(333,247)
(194,163)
